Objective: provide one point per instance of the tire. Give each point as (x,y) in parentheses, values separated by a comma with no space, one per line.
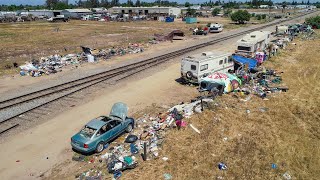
(129,128)
(189,75)
(99,147)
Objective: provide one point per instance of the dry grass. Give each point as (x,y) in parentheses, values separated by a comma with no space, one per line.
(22,42)
(287,134)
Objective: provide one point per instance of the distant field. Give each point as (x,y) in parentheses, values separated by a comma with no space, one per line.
(22,42)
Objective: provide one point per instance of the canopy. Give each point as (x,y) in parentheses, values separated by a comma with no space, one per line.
(240,59)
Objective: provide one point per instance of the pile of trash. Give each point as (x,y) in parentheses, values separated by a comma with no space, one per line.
(145,142)
(54,63)
(49,65)
(261,83)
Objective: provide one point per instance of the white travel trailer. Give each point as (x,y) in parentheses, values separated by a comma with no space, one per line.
(200,65)
(253,42)
(215,28)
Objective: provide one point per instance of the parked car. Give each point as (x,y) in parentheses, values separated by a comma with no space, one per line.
(200,32)
(215,28)
(101,130)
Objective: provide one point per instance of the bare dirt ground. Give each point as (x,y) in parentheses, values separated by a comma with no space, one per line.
(22,42)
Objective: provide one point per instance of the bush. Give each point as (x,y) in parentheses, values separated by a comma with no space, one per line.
(263,16)
(314,21)
(253,14)
(240,16)
(215,11)
(227,12)
(258,17)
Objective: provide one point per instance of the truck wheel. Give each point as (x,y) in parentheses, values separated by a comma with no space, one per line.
(99,147)
(189,75)
(129,128)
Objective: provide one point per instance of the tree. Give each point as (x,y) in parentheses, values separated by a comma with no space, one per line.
(138,3)
(227,12)
(240,16)
(60,6)
(130,3)
(51,3)
(284,5)
(215,11)
(187,4)
(191,12)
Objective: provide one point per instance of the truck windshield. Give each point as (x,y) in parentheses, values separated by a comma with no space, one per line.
(242,48)
(87,132)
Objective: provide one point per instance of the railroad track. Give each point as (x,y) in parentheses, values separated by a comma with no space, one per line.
(55,93)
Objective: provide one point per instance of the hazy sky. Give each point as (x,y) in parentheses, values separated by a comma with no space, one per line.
(40,2)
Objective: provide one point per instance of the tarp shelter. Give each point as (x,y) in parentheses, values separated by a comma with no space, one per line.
(215,80)
(243,60)
(169,19)
(191,20)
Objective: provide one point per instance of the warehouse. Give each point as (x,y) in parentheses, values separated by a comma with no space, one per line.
(163,11)
(75,13)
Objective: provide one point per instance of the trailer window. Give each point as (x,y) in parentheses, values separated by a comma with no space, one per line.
(220,62)
(242,48)
(193,67)
(203,67)
(225,60)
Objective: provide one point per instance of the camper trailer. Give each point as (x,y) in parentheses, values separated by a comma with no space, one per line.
(215,28)
(250,43)
(200,65)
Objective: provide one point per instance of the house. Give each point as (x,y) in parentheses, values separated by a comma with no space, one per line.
(75,13)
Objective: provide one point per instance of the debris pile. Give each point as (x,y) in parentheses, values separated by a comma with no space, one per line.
(55,63)
(145,142)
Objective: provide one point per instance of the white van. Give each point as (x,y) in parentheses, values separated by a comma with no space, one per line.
(253,42)
(200,65)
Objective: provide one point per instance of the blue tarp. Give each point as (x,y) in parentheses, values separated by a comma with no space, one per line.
(252,62)
(169,19)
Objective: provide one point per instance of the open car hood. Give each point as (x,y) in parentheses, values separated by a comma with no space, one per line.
(119,110)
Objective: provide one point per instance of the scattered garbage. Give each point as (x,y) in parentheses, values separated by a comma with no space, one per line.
(222,166)
(165,158)
(117,174)
(55,63)
(287,176)
(273,166)
(194,128)
(131,139)
(167,176)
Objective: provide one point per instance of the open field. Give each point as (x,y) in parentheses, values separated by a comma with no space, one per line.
(22,42)
(283,130)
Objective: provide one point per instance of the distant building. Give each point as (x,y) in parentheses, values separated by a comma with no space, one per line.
(301,6)
(75,13)
(101,10)
(264,6)
(37,13)
(163,11)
